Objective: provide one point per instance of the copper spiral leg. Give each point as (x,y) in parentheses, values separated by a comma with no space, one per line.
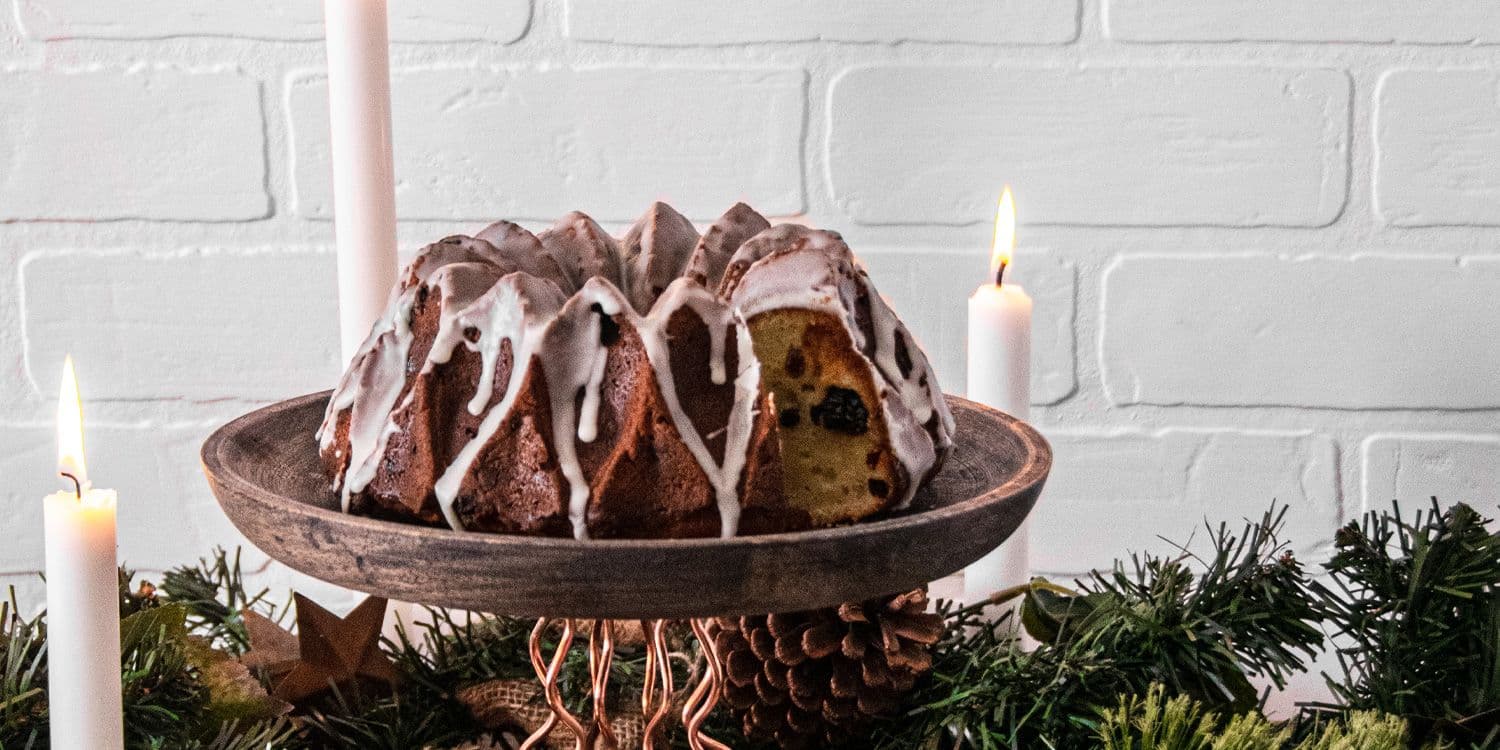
(704,697)
(548,674)
(656,698)
(601,655)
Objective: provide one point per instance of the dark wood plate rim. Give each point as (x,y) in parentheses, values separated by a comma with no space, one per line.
(1034,471)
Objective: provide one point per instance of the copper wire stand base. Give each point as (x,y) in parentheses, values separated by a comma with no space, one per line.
(656,697)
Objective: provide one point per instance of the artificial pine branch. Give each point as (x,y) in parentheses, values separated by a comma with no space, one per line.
(1201,625)
(1155,722)
(214,593)
(1415,605)
(172,695)
(23,678)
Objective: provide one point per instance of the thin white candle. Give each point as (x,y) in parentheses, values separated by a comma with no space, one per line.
(999,375)
(83,611)
(364,180)
(364,193)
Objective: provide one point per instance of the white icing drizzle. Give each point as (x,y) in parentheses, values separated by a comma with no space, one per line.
(917,389)
(367,422)
(716,365)
(504,297)
(573,361)
(725,478)
(375,385)
(518,309)
(378,376)
(588,418)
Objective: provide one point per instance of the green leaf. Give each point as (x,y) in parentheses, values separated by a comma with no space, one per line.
(1046,609)
(167,622)
(233,692)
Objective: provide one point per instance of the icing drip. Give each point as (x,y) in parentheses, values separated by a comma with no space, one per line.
(523,344)
(517,309)
(915,390)
(724,478)
(716,350)
(485,302)
(349,388)
(588,419)
(573,360)
(378,385)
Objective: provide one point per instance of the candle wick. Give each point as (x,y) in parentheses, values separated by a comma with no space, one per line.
(1000,275)
(77,486)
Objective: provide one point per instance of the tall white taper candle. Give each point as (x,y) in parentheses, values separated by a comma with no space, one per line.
(364,192)
(364,181)
(83,597)
(999,375)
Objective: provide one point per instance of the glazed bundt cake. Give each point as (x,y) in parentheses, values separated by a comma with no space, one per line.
(749,380)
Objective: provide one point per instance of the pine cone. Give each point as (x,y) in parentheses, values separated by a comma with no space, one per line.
(814,679)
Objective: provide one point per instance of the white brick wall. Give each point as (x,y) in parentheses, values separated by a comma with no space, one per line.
(1264,243)
(169,145)
(1448,467)
(162,320)
(1165,482)
(1126,145)
(411,20)
(729,22)
(534,144)
(1436,131)
(1196,329)
(1377,21)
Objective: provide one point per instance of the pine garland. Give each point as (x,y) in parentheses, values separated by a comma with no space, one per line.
(1155,654)
(1247,611)
(1422,625)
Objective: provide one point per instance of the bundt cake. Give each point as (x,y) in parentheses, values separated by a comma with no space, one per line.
(749,380)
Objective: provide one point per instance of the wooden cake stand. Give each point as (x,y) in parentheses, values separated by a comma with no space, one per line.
(264,469)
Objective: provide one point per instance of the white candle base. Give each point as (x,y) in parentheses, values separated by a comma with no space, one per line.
(999,370)
(83,623)
(1009,565)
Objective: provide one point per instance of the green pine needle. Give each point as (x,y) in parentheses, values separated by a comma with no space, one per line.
(1200,625)
(1415,605)
(1154,722)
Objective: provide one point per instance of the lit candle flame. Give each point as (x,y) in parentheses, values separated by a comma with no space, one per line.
(1005,235)
(70,429)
